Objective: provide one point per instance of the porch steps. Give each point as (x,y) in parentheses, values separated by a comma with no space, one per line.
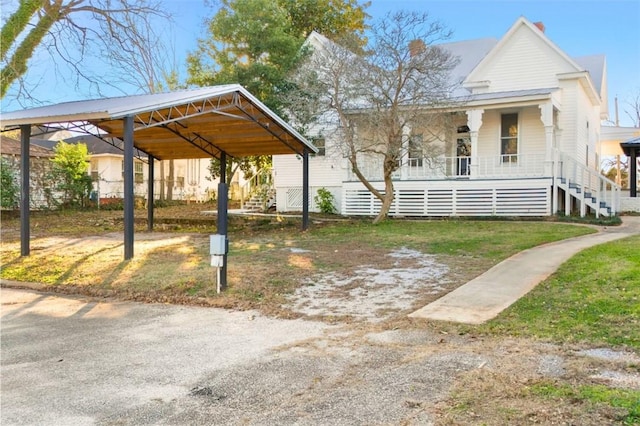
(586,196)
(259,203)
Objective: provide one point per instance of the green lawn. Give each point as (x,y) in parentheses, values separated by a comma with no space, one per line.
(594,297)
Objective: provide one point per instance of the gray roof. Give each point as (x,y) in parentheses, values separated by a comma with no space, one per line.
(510,94)
(108,108)
(631,144)
(594,65)
(469,54)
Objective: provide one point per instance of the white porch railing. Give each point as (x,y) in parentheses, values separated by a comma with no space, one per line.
(491,167)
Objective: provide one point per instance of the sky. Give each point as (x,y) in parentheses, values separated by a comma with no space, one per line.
(578,27)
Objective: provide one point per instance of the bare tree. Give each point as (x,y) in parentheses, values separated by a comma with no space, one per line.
(375,100)
(144,61)
(633,110)
(68,30)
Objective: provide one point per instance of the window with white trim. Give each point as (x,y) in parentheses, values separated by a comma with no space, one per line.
(416,154)
(509,138)
(320,144)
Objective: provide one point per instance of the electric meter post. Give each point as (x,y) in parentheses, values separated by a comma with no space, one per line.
(218,249)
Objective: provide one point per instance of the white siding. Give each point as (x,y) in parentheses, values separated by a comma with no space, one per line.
(525,62)
(532,137)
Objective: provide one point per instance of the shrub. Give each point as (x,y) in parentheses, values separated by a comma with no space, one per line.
(9,188)
(325,201)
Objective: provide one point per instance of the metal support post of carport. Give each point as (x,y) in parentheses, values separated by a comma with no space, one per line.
(305,189)
(223,198)
(150,194)
(128,187)
(25,136)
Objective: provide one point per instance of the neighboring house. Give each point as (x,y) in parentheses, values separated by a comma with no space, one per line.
(525,141)
(107,171)
(39,164)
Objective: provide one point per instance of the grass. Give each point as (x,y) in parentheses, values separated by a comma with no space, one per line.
(592,300)
(594,297)
(625,399)
(263,269)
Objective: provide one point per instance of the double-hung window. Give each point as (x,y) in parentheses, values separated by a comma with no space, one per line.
(320,144)
(416,154)
(509,138)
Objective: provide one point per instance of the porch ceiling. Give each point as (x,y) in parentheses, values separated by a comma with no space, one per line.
(198,123)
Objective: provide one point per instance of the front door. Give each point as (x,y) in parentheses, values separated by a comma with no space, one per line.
(463,156)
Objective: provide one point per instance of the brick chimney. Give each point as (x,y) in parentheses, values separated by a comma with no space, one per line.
(540,26)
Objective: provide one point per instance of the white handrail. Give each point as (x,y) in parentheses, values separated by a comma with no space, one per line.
(591,181)
(259,179)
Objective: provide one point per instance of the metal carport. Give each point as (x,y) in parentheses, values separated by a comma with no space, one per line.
(219,121)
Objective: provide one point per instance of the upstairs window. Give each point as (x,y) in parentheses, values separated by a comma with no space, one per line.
(509,138)
(319,143)
(416,155)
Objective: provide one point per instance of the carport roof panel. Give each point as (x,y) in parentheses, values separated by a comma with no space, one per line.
(194,123)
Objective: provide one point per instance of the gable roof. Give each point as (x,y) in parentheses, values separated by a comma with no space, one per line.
(595,65)
(521,22)
(10,146)
(196,123)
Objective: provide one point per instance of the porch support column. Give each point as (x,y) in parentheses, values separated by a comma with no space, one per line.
(546,116)
(25,136)
(128,187)
(404,153)
(474,122)
(150,194)
(305,189)
(633,172)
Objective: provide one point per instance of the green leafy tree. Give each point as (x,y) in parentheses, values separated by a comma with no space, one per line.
(9,188)
(69,29)
(248,166)
(258,44)
(69,176)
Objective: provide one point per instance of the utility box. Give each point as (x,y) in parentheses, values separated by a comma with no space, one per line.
(217,245)
(217,261)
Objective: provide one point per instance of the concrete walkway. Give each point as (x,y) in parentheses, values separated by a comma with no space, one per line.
(484,297)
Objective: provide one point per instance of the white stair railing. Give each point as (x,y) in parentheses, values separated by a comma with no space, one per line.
(261,180)
(589,186)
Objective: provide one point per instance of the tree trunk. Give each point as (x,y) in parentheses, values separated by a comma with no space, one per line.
(171,181)
(387,199)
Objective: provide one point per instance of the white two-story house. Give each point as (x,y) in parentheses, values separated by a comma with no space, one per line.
(524,140)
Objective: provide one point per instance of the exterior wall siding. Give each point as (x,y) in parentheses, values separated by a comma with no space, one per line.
(524,62)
